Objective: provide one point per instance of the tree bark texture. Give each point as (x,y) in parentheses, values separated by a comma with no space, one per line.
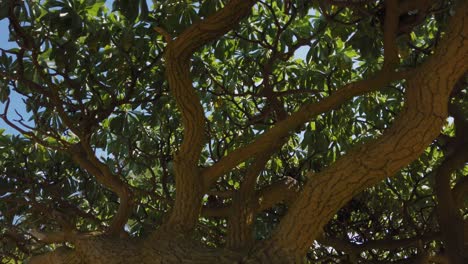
(427,92)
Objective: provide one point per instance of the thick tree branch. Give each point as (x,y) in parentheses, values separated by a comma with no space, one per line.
(419,123)
(305,113)
(450,220)
(220,212)
(84,156)
(289,124)
(59,256)
(241,220)
(285,190)
(211,28)
(189,186)
(460,191)
(390,34)
(53,237)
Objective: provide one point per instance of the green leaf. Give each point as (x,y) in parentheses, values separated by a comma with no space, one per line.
(117,123)
(129,9)
(3,9)
(126,40)
(312,126)
(94,7)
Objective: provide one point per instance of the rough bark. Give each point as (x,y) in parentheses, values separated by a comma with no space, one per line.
(420,122)
(189,183)
(270,138)
(159,248)
(242,217)
(425,111)
(83,155)
(450,219)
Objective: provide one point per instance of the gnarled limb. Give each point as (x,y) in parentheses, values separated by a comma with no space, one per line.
(189,185)
(419,123)
(242,217)
(289,124)
(83,155)
(390,33)
(459,192)
(306,112)
(59,256)
(285,190)
(450,220)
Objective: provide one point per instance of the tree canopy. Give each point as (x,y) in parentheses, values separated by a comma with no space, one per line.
(234,131)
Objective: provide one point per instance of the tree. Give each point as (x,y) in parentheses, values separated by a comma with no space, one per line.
(235,131)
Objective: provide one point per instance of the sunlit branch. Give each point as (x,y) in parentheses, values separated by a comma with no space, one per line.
(304,114)
(189,187)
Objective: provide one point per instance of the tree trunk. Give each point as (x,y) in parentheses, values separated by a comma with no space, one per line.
(425,112)
(159,248)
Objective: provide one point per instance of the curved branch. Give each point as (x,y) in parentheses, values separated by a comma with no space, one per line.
(84,156)
(211,28)
(189,187)
(282,129)
(58,256)
(285,190)
(415,128)
(450,220)
(289,123)
(53,237)
(390,33)
(240,222)
(460,190)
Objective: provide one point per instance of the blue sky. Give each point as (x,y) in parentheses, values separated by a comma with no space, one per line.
(16,102)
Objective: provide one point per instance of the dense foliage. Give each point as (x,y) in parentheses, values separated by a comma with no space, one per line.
(92,81)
